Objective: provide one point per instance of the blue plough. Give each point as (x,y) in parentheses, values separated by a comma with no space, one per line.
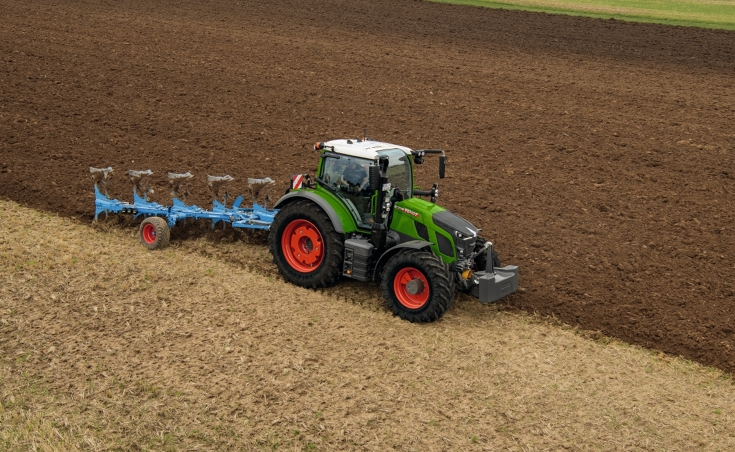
(255,217)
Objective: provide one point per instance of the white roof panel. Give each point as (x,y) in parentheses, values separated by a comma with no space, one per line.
(363,149)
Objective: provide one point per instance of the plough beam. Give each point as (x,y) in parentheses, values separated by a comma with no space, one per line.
(255,217)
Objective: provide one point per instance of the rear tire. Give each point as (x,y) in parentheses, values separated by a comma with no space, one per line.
(417,286)
(305,246)
(154,233)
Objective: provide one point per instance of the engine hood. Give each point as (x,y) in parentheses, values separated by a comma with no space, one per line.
(462,231)
(453,223)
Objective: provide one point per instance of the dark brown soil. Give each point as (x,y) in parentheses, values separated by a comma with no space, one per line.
(597,155)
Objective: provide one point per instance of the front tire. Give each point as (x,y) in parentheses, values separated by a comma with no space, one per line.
(305,246)
(417,286)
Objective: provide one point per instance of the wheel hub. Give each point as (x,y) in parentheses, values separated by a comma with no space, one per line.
(303,246)
(414,286)
(411,288)
(149,233)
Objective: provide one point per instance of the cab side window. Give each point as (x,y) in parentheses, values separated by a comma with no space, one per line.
(346,173)
(348,177)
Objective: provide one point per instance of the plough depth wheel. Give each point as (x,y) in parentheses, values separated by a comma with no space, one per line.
(154,233)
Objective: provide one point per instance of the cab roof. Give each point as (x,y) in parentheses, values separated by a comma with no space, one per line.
(367,149)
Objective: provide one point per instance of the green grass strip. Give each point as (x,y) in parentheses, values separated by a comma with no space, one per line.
(693,13)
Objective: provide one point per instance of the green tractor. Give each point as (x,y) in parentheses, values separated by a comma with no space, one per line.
(361,217)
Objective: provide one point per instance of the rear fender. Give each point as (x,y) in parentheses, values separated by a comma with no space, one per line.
(342,221)
(412,245)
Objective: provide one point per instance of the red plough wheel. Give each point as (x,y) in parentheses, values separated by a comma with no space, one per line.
(149,234)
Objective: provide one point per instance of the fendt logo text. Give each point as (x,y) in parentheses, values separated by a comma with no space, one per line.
(410,212)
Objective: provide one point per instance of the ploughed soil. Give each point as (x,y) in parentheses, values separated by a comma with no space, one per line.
(597,155)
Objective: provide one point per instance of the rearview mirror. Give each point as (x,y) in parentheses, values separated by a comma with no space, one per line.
(374,177)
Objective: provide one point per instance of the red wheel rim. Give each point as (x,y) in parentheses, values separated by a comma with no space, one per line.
(149,233)
(303,246)
(419,285)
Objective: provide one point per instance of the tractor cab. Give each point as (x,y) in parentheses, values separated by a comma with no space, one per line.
(345,168)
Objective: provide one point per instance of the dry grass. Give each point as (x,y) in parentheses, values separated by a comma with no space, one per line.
(104,345)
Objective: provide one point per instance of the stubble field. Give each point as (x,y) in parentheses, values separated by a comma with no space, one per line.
(104,346)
